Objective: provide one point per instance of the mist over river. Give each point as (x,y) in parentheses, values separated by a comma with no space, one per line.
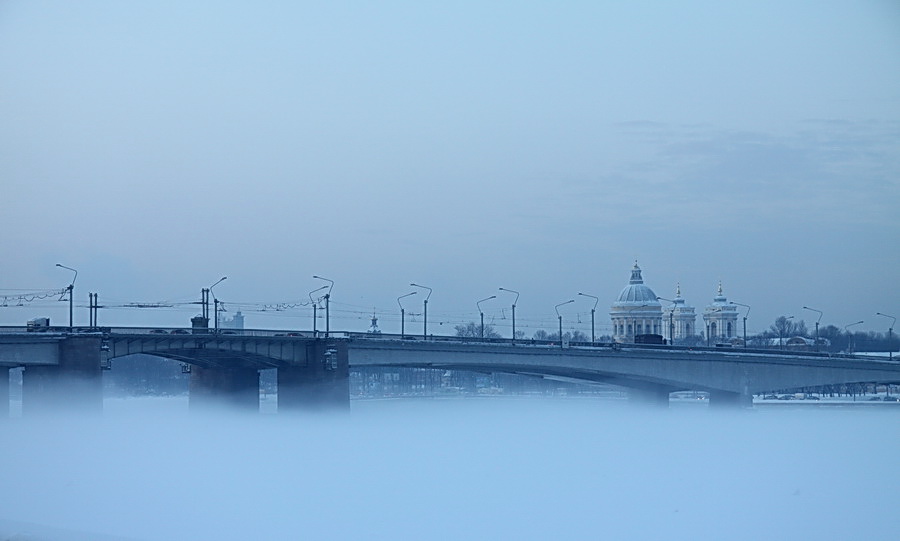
(463,468)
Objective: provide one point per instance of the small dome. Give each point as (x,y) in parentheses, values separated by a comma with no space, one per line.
(639,294)
(636,292)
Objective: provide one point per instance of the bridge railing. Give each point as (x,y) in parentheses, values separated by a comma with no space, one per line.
(161,332)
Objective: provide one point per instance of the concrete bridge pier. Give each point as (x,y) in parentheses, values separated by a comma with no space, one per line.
(322,384)
(4,392)
(728,399)
(212,388)
(74,385)
(650,396)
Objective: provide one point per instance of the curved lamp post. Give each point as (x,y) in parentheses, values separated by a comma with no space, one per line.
(890,334)
(781,334)
(425,320)
(478,304)
(593,310)
(850,340)
(558,315)
(403,314)
(513,312)
(671,319)
(745,319)
(315,302)
(215,302)
(817,323)
(71,289)
(327,302)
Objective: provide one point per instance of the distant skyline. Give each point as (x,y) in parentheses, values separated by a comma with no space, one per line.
(157,147)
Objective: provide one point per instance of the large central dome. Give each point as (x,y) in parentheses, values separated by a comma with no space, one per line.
(636,292)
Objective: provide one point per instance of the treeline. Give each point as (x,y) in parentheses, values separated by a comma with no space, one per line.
(474,330)
(832,338)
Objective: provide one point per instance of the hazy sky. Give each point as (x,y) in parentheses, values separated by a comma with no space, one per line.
(157,146)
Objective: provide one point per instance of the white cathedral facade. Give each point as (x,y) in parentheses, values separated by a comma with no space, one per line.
(679,319)
(720,318)
(638,311)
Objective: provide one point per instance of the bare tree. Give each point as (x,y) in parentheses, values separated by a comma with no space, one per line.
(473,330)
(785,327)
(541,334)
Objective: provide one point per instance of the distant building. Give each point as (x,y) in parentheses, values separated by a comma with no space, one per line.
(679,319)
(235,322)
(636,310)
(720,319)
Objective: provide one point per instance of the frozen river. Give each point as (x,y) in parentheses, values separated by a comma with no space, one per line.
(454,469)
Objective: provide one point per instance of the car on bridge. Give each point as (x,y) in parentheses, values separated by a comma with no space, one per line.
(38,324)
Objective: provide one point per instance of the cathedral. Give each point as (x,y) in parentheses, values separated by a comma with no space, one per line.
(637,311)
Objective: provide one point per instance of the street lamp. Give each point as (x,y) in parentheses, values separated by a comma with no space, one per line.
(425,320)
(593,310)
(560,319)
(315,303)
(781,333)
(478,304)
(850,339)
(327,302)
(403,314)
(513,312)
(745,318)
(71,289)
(817,323)
(890,333)
(671,319)
(215,302)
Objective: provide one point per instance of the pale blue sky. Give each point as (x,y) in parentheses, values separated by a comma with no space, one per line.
(156,146)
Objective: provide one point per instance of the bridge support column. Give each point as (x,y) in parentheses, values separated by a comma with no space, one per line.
(656,397)
(224,387)
(323,383)
(727,399)
(74,385)
(4,392)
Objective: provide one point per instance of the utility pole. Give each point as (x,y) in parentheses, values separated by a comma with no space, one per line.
(327,303)
(93,306)
(745,319)
(817,323)
(594,309)
(890,334)
(478,304)
(71,289)
(403,315)
(314,305)
(425,303)
(513,312)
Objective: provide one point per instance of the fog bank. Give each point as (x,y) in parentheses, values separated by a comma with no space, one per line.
(455,469)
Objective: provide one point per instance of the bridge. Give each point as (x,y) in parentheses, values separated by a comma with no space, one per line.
(62,366)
